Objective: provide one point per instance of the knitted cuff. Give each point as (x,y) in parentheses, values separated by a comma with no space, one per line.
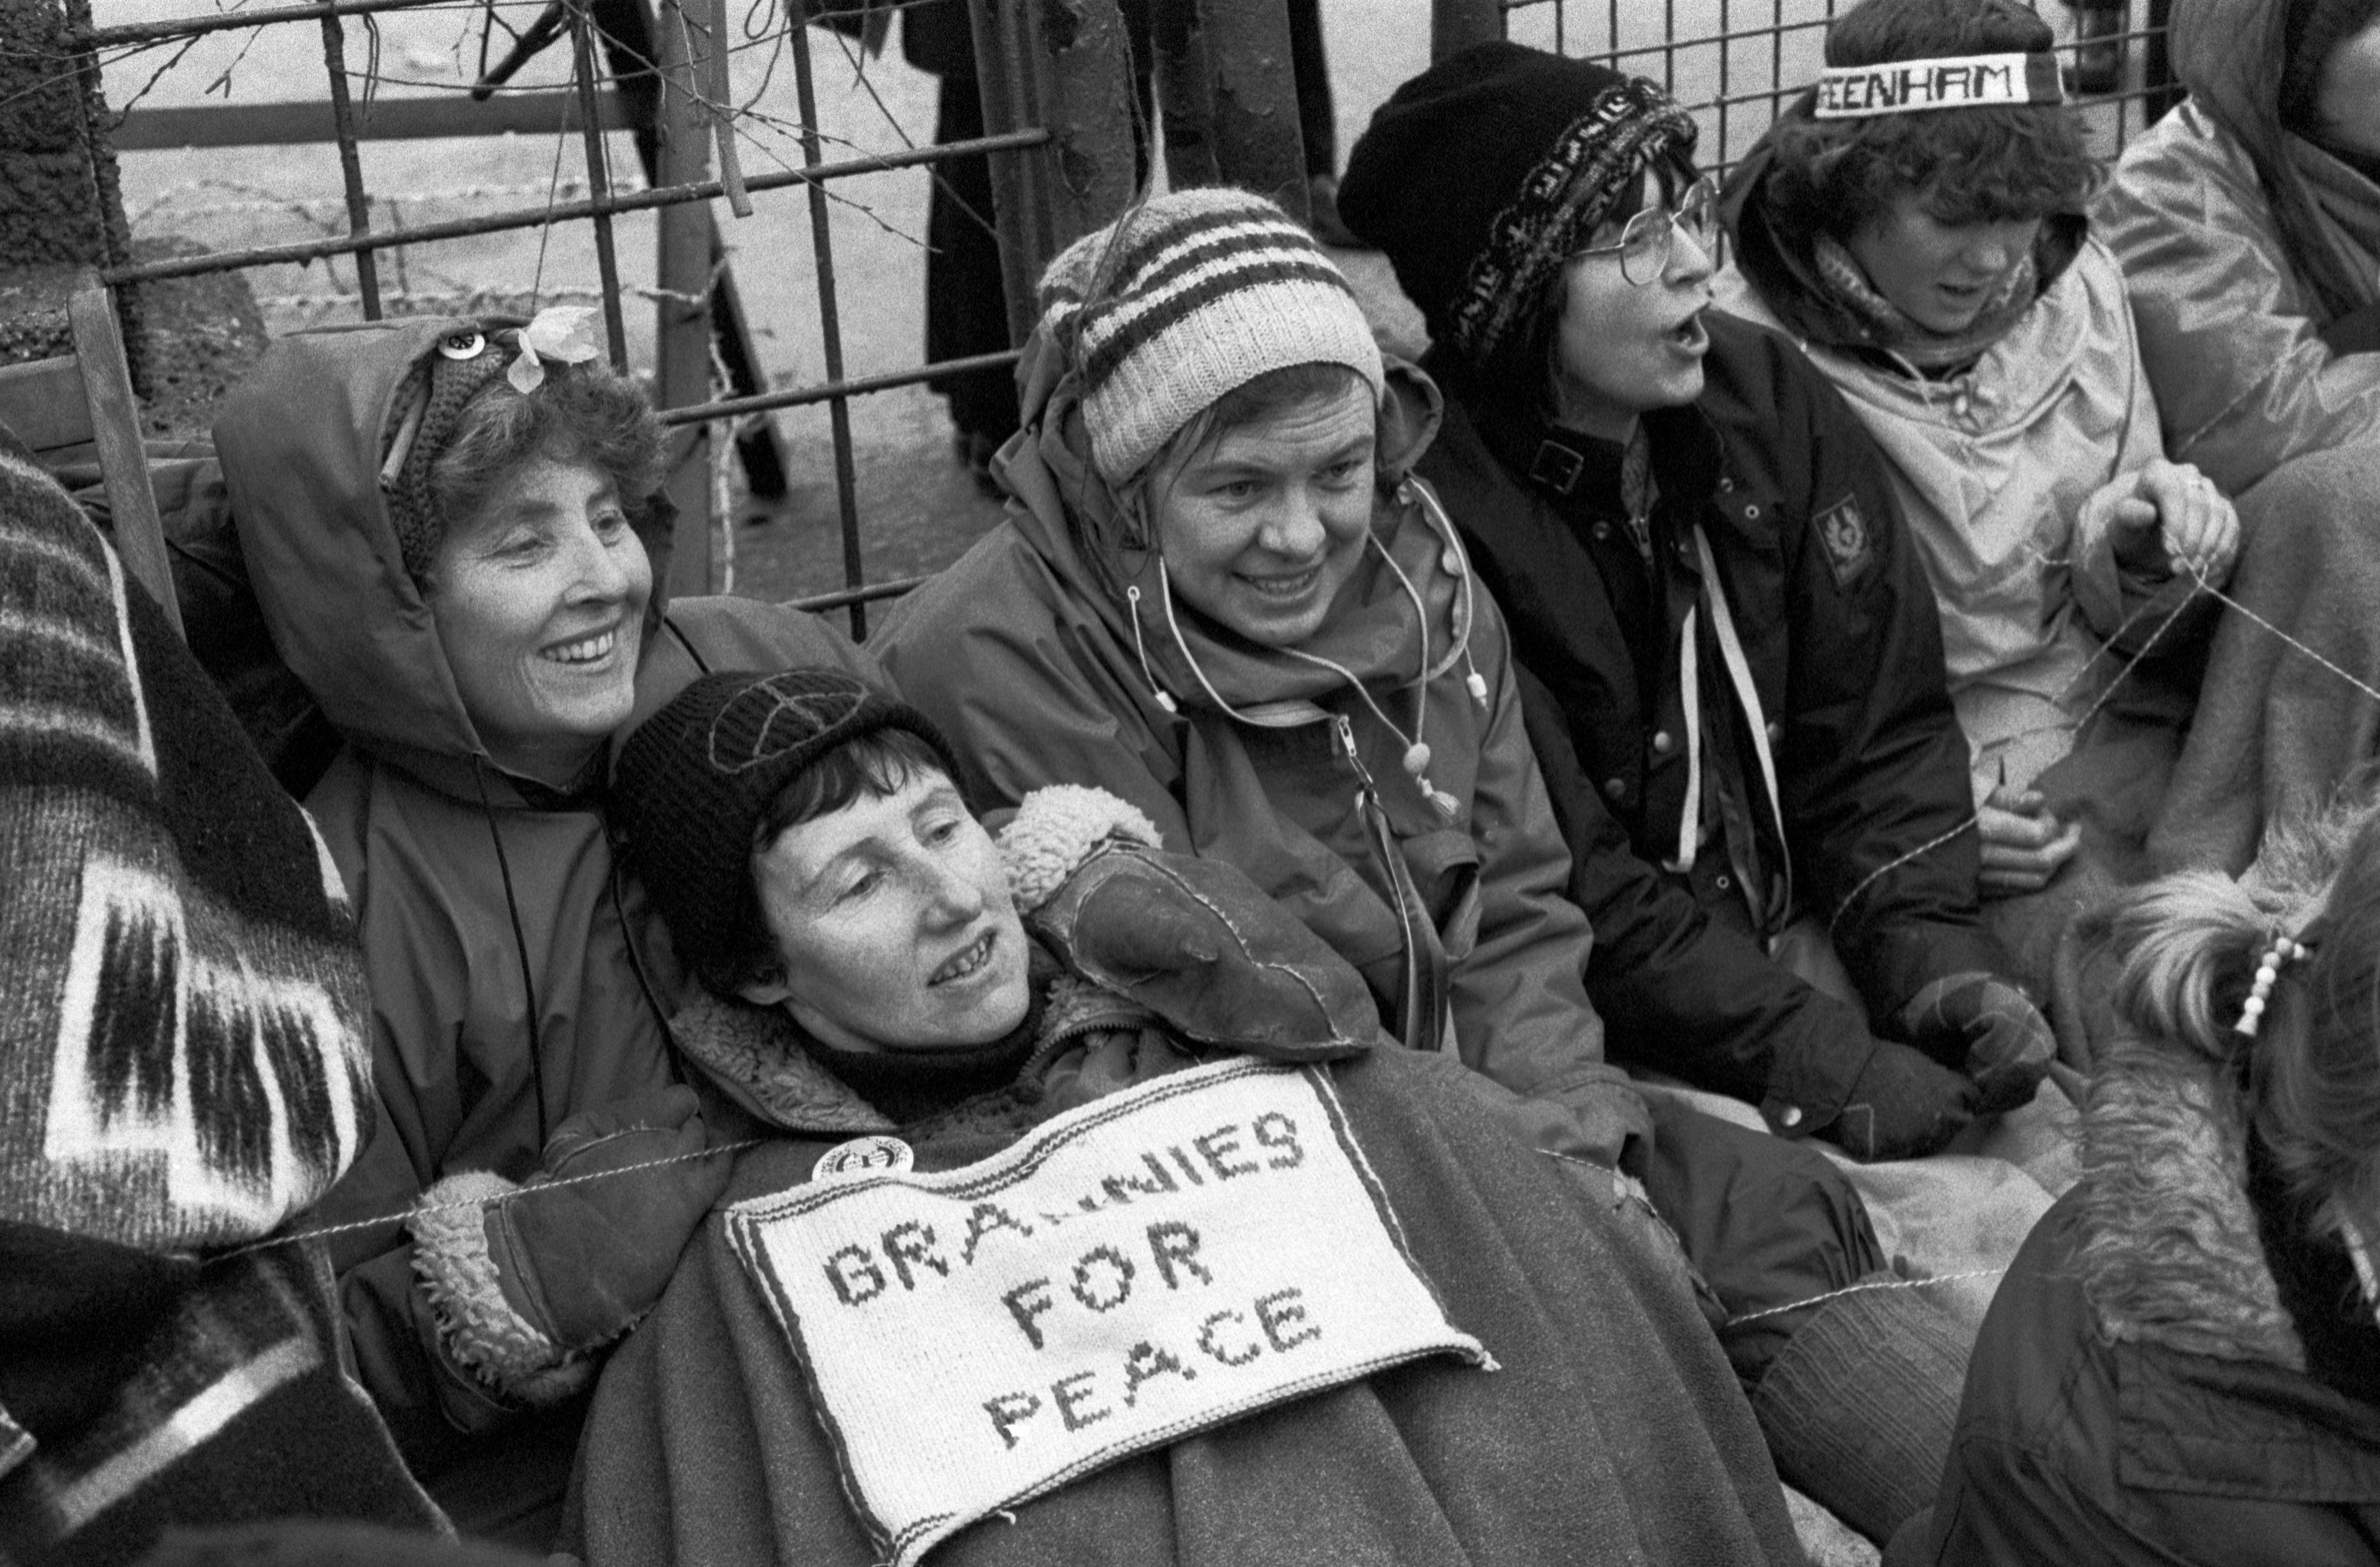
(478,1326)
(1056,829)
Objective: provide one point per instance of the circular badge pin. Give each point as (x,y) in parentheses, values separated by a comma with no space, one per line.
(466,344)
(877,1155)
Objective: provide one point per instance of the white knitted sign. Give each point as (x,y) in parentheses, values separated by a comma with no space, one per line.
(1160,1261)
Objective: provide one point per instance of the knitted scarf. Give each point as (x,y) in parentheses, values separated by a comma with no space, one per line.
(1892,330)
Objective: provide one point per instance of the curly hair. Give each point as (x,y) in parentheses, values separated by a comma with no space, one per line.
(2002,164)
(579,412)
(2189,945)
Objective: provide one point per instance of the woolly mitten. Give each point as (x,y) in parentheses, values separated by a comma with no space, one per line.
(566,1263)
(1192,940)
(1985,1024)
(1901,1106)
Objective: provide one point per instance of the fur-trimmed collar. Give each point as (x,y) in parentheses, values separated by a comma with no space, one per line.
(756,1054)
(2171,1254)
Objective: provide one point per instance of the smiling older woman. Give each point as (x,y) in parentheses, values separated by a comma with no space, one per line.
(464,575)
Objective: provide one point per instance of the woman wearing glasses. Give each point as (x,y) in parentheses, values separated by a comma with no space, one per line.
(1734,670)
(1935,265)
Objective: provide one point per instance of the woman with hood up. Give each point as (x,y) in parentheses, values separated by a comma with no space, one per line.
(2248,220)
(2182,1366)
(455,532)
(1936,265)
(1221,595)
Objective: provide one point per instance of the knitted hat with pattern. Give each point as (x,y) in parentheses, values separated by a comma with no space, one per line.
(466,360)
(1482,175)
(1192,295)
(694,782)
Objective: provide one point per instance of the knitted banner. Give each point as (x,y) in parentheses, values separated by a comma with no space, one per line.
(1161,1261)
(1968,81)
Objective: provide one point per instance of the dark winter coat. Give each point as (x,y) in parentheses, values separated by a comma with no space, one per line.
(2150,1388)
(1842,635)
(461,880)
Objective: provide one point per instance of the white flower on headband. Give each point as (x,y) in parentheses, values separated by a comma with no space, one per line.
(564,333)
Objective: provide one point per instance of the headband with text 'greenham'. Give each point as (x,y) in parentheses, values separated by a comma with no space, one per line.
(1964,81)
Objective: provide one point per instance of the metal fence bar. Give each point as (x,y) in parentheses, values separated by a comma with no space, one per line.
(194,27)
(563,212)
(846,477)
(531,112)
(827,391)
(351,168)
(599,180)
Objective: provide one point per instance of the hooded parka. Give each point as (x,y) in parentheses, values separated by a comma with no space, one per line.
(1840,642)
(513,977)
(2243,242)
(1996,468)
(1050,653)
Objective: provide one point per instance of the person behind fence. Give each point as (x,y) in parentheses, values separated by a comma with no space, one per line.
(2248,220)
(1731,655)
(1221,594)
(454,530)
(1935,265)
(2184,1365)
(1126,1200)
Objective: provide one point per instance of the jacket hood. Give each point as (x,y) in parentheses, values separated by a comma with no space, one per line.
(1071,519)
(1781,267)
(301,443)
(2228,53)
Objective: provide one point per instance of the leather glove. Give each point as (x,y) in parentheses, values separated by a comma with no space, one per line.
(1999,1037)
(1195,943)
(585,1262)
(1901,1106)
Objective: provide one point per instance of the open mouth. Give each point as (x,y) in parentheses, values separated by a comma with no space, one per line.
(587,650)
(960,965)
(1690,335)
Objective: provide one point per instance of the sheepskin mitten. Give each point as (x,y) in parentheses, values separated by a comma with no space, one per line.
(1192,940)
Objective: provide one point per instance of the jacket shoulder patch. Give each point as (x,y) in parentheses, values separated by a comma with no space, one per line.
(1843,533)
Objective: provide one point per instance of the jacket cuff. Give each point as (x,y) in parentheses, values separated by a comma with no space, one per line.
(477,1327)
(1812,1073)
(1056,829)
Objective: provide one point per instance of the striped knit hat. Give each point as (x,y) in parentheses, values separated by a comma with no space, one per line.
(1190,297)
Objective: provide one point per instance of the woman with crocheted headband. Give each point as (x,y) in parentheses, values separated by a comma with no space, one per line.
(1914,222)
(2184,1364)
(1099,1221)
(457,538)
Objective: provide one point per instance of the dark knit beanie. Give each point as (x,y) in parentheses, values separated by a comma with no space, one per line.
(2313,31)
(1482,175)
(693,782)
(465,359)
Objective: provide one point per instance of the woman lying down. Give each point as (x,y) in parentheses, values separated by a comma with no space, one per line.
(1103,1226)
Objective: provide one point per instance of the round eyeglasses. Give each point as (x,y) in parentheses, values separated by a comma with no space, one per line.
(1643,246)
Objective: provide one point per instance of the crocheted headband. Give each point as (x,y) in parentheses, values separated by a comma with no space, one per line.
(468,357)
(1963,81)
(1196,293)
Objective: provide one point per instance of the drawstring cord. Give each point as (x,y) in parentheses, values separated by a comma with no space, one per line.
(520,947)
(1417,756)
